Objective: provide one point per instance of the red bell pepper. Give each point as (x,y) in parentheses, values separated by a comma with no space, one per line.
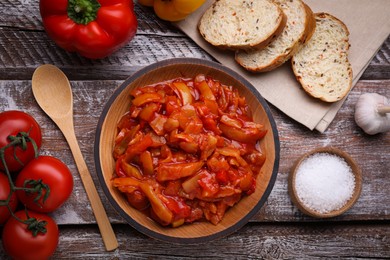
(93,28)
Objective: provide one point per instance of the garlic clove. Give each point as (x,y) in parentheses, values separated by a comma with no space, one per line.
(367,115)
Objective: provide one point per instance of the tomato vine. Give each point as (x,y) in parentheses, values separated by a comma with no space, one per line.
(20,140)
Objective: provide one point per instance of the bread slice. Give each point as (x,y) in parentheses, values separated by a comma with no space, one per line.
(322,65)
(241,24)
(299,28)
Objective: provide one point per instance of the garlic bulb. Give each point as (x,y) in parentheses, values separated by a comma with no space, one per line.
(372,113)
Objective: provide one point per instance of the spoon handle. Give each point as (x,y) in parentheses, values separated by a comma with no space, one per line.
(102,220)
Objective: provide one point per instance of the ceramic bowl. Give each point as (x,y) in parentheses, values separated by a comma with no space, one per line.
(356,192)
(119,103)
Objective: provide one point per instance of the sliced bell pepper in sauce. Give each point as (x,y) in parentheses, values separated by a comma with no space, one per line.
(175,171)
(138,147)
(146,161)
(148,112)
(205,91)
(147,98)
(183,92)
(159,208)
(123,139)
(245,135)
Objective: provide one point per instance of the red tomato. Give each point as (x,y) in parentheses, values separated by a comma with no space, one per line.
(4,192)
(20,243)
(55,174)
(12,123)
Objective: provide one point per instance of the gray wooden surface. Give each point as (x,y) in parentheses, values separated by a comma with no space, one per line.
(278,230)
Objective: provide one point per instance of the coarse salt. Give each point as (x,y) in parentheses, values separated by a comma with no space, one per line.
(324,182)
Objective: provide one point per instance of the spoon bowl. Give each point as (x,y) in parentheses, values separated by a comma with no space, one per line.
(53,94)
(49,81)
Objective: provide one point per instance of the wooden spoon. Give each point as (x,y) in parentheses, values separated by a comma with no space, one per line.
(53,93)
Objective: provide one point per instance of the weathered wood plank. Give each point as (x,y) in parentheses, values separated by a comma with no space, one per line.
(24,45)
(23,52)
(267,241)
(379,66)
(371,152)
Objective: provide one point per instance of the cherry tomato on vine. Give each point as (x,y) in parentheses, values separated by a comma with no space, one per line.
(4,192)
(53,180)
(20,243)
(21,128)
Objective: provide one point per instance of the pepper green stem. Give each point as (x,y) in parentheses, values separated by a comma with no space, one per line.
(83,11)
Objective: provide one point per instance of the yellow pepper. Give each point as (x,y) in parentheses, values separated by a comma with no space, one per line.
(173,10)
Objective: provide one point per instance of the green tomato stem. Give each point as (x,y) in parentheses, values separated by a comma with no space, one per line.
(34,225)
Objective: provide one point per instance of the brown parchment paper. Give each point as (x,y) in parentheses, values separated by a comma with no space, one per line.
(368,22)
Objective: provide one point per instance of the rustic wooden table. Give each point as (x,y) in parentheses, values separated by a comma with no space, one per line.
(278,230)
